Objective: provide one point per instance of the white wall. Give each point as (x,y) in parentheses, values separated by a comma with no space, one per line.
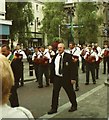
(2,9)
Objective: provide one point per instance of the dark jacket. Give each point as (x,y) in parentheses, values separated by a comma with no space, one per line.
(68,69)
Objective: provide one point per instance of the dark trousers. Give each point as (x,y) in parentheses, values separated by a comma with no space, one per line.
(68,87)
(108,64)
(105,61)
(22,76)
(97,70)
(36,70)
(14,97)
(76,65)
(83,65)
(43,69)
(90,67)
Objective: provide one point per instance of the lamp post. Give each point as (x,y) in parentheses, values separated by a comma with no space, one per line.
(69,8)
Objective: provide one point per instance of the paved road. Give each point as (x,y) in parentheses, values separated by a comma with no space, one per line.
(92,99)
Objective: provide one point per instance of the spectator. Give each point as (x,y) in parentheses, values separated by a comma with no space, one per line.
(7,81)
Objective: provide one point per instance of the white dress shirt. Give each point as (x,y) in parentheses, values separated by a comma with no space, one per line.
(34,54)
(57,60)
(21,52)
(46,54)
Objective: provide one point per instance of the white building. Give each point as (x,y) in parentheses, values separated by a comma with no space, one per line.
(37,6)
(4,24)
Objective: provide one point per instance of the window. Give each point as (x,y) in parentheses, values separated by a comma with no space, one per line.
(37,7)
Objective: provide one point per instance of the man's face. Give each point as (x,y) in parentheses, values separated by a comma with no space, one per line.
(5,51)
(36,49)
(42,49)
(71,46)
(18,47)
(60,48)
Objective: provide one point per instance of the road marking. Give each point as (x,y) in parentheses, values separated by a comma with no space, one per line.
(67,105)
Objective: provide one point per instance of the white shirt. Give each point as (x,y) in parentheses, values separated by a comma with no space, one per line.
(46,54)
(34,54)
(16,112)
(57,59)
(76,52)
(21,52)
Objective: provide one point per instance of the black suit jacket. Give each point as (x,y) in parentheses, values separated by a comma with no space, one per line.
(68,69)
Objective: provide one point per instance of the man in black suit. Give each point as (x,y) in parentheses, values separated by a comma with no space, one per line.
(62,75)
(5,50)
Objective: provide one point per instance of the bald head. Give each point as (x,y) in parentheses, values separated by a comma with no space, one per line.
(61,48)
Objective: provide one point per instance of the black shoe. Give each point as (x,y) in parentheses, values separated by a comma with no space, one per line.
(52,111)
(77,89)
(47,85)
(97,78)
(40,86)
(94,82)
(104,73)
(86,83)
(72,109)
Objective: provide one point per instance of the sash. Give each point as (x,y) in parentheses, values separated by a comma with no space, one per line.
(11,57)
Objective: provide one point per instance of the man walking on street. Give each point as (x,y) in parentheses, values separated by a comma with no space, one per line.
(62,75)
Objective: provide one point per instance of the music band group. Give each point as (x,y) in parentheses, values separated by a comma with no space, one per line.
(59,67)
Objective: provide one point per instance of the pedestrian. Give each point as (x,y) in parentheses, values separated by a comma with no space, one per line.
(5,50)
(105,54)
(7,81)
(21,56)
(36,61)
(43,68)
(75,52)
(91,57)
(62,75)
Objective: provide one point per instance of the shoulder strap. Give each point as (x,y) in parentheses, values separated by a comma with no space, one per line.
(74,51)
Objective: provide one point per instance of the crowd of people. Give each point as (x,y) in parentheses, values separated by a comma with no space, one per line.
(59,67)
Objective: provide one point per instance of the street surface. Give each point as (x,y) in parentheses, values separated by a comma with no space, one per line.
(92,99)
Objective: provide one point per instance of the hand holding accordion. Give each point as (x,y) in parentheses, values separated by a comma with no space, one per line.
(90,59)
(75,58)
(18,56)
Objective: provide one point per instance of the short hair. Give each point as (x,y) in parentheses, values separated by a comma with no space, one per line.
(6,79)
(5,45)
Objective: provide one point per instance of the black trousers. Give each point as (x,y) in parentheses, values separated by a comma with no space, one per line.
(14,97)
(105,63)
(36,70)
(83,65)
(90,67)
(68,87)
(108,64)
(97,70)
(43,69)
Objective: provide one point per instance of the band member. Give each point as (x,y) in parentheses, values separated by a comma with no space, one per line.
(91,57)
(35,62)
(83,52)
(98,52)
(105,54)
(43,68)
(21,56)
(5,50)
(63,75)
(51,52)
(75,52)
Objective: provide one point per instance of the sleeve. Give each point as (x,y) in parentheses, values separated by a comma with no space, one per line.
(33,56)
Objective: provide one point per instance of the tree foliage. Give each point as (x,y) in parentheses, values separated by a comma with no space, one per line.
(54,15)
(88,18)
(21,16)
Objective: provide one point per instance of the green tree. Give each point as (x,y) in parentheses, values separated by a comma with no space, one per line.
(21,15)
(54,15)
(89,20)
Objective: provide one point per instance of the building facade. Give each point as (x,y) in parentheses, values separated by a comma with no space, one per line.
(4,24)
(37,36)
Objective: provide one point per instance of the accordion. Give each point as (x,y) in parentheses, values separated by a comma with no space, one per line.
(75,58)
(18,56)
(106,53)
(41,61)
(83,52)
(90,59)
